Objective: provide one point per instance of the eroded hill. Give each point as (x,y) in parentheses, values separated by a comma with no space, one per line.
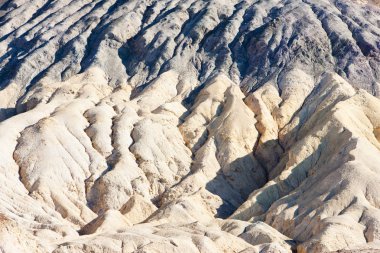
(189,126)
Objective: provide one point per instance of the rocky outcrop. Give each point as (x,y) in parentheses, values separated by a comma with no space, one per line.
(189,126)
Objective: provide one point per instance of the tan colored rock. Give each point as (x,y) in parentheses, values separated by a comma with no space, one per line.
(110,221)
(334,139)
(189,126)
(14,239)
(137,209)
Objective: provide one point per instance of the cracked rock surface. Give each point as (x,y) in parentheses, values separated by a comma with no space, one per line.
(189,126)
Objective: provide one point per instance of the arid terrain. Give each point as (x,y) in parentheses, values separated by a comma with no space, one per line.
(189,126)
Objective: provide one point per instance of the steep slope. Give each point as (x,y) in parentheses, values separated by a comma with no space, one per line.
(189,126)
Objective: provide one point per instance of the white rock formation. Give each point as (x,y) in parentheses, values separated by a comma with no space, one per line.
(189,126)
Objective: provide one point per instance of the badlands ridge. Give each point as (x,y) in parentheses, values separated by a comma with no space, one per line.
(189,126)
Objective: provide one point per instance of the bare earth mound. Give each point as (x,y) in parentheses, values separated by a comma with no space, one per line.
(189,126)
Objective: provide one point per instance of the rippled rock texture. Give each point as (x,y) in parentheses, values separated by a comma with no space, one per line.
(189,126)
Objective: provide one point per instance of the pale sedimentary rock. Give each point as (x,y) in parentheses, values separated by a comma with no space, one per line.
(189,126)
